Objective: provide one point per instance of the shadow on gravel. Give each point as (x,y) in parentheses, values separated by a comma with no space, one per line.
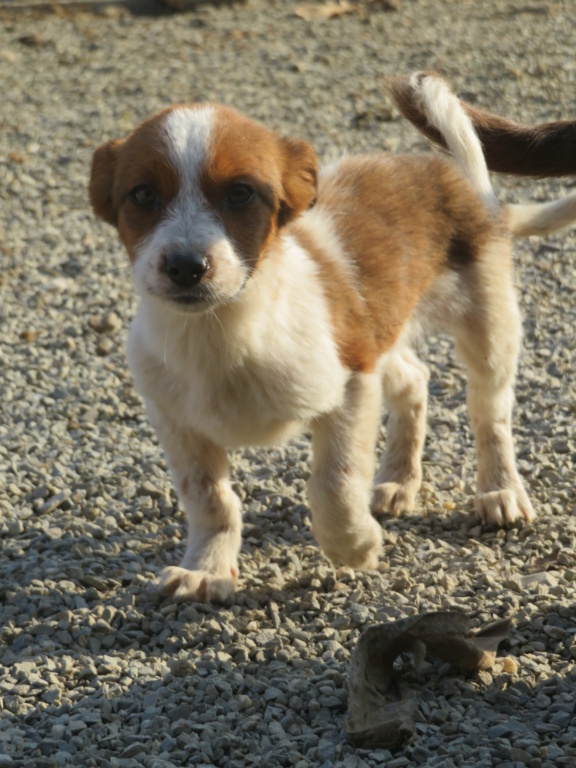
(143,8)
(205,707)
(99,670)
(150,8)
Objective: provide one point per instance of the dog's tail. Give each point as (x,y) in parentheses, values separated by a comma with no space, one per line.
(427,100)
(541,218)
(480,141)
(546,150)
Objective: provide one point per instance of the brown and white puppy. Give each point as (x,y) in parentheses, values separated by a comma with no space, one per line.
(274,299)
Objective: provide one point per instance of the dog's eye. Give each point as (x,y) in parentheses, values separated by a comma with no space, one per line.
(144,196)
(239,195)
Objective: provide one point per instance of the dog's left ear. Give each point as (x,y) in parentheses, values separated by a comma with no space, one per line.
(102,181)
(300,179)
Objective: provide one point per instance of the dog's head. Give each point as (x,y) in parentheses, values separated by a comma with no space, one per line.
(197,194)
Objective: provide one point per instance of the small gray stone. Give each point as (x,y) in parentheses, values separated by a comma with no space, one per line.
(107,323)
(134,749)
(53,503)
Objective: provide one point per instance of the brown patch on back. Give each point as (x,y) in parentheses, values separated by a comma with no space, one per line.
(461,252)
(348,312)
(401,221)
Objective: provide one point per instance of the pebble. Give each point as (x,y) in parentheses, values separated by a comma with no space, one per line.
(107,323)
(97,669)
(53,503)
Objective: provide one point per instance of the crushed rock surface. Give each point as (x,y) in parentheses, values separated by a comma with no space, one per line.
(95,668)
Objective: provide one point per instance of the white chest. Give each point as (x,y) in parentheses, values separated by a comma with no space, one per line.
(244,377)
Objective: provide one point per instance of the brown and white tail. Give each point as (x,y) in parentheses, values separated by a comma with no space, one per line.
(547,150)
(431,97)
(480,141)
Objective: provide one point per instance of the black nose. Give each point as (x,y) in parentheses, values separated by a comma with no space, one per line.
(185,269)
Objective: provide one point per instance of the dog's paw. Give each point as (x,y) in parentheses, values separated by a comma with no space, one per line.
(394,498)
(199,586)
(359,549)
(504,507)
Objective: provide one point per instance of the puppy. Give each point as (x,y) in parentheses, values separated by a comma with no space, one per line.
(274,299)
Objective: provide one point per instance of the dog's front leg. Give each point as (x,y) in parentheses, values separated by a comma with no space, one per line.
(209,568)
(342,472)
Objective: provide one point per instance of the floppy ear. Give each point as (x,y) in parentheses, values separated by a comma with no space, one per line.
(300,179)
(102,181)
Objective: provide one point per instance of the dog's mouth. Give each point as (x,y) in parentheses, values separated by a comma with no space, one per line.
(198,298)
(195,299)
(203,297)
(188,299)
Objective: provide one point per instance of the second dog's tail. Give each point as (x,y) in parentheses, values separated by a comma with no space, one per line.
(427,101)
(546,150)
(427,96)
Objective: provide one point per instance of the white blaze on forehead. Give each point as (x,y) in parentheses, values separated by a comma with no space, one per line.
(189,134)
(189,224)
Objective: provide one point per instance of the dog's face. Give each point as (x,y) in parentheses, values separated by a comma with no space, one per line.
(197,193)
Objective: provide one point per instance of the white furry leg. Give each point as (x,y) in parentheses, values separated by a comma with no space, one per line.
(209,568)
(342,471)
(500,495)
(405,384)
(488,342)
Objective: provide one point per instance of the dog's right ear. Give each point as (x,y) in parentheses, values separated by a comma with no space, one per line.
(102,181)
(300,179)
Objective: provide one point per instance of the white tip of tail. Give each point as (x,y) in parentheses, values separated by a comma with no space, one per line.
(542,218)
(444,112)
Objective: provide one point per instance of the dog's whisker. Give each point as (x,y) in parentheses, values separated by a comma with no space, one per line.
(165,357)
(214,314)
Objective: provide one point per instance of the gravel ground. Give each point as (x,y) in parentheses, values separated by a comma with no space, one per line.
(95,668)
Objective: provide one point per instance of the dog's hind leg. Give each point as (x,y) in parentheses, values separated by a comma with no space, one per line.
(405,386)
(343,467)
(488,342)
